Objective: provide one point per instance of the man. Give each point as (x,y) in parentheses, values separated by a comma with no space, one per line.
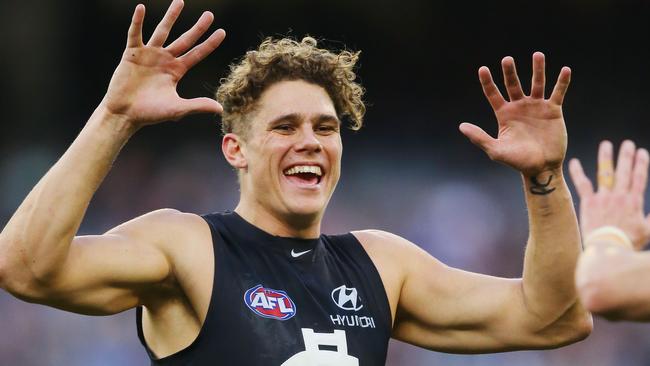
(611,272)
(262,285)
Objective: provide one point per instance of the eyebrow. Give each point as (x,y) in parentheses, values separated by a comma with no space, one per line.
(326,118)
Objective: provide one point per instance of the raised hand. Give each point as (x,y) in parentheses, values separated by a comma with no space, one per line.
(532,135)
(143,87)
(619,199)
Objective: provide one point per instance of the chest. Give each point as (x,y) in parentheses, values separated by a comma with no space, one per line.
(320,304)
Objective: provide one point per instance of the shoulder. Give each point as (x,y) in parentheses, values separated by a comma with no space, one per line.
(395,251)
(161,223)
(169,231)
(159,219)
(376,236)
(380,241)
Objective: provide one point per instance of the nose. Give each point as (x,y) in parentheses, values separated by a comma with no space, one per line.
(308,141)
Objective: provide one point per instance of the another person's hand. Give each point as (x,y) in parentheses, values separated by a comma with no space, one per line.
(532,135)
(619,199)
(143,87)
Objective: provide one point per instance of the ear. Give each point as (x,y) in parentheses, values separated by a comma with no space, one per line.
(232,146)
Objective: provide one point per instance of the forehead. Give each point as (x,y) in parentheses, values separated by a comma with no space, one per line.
(294,97)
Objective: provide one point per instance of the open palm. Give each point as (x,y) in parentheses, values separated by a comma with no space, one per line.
(532,134)
(143,87)
(620,192)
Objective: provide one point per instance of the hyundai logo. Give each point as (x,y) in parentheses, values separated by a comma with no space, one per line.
(346,298)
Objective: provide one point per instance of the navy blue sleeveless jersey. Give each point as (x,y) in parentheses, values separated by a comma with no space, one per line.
(288,302)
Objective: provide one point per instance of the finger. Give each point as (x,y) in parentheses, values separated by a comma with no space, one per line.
(478,137)
(580,181)
(624,166)
(539,77)
(640,174)
(605,166)
(561,86)
(189,38)
(134,38)
(201,51)
(490,89)
(201,105)
(510,78)
(161,32)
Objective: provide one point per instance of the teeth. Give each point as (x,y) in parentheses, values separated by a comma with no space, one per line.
(314,169)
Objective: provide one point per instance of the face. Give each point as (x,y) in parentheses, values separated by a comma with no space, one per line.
(292,152)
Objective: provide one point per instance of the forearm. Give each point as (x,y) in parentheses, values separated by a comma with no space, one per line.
(36,239)
(553,246)
(608,280)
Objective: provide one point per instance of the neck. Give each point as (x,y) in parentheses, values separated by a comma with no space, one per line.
(294,226)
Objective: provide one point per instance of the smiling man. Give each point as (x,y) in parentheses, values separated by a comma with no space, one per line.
(262,284)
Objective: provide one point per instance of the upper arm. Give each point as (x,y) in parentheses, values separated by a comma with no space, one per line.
(613,285)
(113,272)
(451,310)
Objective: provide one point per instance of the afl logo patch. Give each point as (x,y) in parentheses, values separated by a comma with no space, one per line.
(269,303)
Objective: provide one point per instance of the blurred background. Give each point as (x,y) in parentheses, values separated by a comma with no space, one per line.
(408,171)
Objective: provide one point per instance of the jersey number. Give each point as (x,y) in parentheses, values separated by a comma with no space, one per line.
(313,355)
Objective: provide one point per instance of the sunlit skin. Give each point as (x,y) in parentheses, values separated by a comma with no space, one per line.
(164,260)
(295,123)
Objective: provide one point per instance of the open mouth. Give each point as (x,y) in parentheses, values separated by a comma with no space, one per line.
(304,175)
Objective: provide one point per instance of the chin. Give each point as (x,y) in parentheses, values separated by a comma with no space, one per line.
(306,211)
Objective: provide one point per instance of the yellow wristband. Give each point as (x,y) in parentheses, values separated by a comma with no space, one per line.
(609,232)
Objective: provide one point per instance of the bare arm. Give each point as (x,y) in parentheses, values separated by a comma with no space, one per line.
(40,257)
(456,311)
(451,310)
(611,272)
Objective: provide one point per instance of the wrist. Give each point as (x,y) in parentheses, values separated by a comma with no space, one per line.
(543,182)
(611,235)
(542,174)
(118,124)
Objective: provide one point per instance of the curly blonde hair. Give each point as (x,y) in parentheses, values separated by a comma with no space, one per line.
(287,59)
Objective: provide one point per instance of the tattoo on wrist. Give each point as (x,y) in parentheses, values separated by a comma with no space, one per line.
(539,188)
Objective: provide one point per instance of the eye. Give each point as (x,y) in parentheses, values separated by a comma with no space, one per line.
(283,128)
(327,129)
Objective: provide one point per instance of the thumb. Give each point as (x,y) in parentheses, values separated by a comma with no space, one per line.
(201,105)
(478,137)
